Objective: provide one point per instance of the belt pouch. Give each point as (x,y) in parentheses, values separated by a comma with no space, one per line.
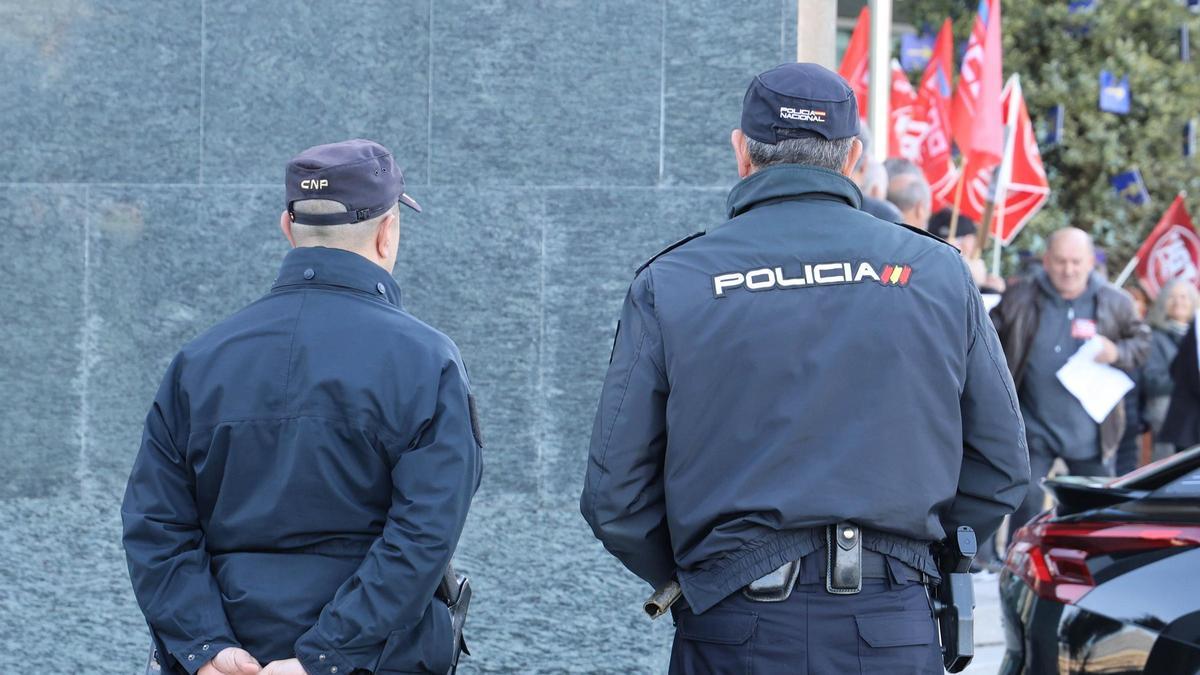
(776,586)
(843,543)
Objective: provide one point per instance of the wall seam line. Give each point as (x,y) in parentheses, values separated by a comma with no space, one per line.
(86,339)
(429,100)
(662,95)
(203,49)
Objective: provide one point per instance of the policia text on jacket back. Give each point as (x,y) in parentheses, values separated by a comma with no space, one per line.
(802,383)
(308,463)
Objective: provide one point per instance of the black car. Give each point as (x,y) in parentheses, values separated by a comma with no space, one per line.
(1108,581)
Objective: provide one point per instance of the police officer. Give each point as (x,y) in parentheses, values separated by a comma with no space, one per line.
(775,431)
(307,464)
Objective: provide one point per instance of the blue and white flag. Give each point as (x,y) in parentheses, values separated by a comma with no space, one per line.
(915,51)
(1130,186)
(1114,93)
(1054,125)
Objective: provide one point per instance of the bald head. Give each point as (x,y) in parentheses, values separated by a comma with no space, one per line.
(1069,260)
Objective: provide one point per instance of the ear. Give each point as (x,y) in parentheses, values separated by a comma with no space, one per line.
(285,225)
(740,153)
(383,236)
(856,150)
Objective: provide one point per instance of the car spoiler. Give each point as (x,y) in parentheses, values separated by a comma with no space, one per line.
(1074,494)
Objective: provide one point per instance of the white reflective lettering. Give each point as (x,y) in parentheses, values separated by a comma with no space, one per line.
(821,278)
(865,271)
(721,282)
(785,282)
(767,276)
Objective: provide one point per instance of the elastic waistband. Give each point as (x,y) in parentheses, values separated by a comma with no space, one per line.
(337,547)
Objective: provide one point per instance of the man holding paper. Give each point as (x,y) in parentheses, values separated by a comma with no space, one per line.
(1042,323)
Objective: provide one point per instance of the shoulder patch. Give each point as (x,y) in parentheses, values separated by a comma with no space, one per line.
(927,234)
(668,249)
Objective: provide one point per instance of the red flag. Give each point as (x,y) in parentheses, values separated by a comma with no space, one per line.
(1026,187)
(905,138)
(932,119)
(978,129)
(856,58)
(1172,251)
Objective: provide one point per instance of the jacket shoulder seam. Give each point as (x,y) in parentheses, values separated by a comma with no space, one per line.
(670,248)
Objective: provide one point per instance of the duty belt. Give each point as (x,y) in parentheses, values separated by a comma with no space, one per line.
(841,564)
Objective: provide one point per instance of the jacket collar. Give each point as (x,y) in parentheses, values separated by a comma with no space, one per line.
(790,181)
(320,266)
(1042,279)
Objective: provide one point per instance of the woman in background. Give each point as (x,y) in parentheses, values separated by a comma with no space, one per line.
(1172,374)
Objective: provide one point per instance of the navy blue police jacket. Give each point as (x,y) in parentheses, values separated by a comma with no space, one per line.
(802,364)
(303,479)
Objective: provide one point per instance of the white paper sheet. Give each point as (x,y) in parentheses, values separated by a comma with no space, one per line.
(1098,387)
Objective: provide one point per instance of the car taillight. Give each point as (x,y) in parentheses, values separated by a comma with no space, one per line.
(1056,559)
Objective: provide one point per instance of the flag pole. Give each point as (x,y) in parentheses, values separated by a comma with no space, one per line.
(1124,275)
(880,84)
(1133,262)
(1004,177)
(962,178)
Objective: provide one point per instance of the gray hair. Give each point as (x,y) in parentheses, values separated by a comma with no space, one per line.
(812,151)
(908,192)
(864,136)
(1157,316)
(349,236)
(877,179)
(899,166)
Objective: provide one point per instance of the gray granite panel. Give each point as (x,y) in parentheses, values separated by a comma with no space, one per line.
(470,266)
(713,49)
(546,93)
(66,604)
(165,263)
(598,239)
(549,598)
(100,91)
(41,328)
(281,76)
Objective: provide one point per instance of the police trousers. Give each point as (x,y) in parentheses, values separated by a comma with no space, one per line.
(887,628)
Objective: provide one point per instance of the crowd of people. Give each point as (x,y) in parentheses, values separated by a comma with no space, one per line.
(1043,315)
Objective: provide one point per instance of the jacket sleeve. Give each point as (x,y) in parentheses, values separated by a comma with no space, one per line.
(1185,373)
(994,476)
(1133,343)
(433,482)
(623,496)
(164,542)
(1156,374)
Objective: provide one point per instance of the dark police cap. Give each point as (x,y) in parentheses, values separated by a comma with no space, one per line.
(799,100)
(359,174)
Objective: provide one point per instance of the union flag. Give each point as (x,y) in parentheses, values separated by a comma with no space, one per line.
(1172,251)
(931,120)
(856,59)
(1022,176)
(976,118)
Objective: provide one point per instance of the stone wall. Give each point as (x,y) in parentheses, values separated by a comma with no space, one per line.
(554,144)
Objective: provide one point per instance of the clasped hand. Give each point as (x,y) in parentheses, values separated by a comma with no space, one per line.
(234,661)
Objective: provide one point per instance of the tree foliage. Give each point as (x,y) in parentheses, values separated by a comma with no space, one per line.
(1059,55)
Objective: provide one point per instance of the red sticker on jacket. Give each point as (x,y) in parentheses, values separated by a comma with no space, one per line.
(1083,329)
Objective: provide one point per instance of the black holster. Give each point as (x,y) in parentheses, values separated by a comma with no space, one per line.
(954,600)
(455,591)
